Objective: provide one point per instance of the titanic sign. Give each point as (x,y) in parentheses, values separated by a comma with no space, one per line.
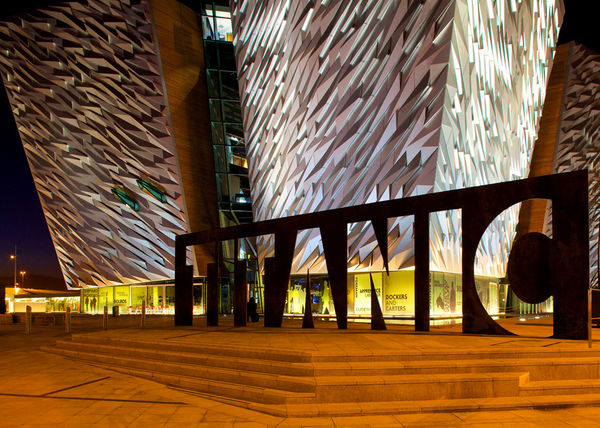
(538,266)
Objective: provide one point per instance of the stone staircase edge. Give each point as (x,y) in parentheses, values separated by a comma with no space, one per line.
(248,351)
(446,406)
(118,361)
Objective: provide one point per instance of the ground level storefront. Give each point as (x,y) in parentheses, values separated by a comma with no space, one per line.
(159,299)
(395,293)
(41,300)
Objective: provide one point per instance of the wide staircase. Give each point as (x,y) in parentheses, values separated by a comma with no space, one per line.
(289,383)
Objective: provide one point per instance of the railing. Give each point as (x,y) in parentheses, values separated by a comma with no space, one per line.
(69,321)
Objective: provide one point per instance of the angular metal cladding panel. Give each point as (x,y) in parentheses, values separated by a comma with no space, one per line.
(85,87)
(346,103)
(578,142)
(502,53)
(342,106)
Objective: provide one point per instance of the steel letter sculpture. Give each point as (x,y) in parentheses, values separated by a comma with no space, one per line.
(561,262)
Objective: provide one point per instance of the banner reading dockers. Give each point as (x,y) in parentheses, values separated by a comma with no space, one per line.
(399,293)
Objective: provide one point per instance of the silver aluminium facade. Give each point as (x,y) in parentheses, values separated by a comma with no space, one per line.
(85,86)
(346,103)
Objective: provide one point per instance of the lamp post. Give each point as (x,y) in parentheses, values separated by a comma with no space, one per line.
(22,273)
(13,257)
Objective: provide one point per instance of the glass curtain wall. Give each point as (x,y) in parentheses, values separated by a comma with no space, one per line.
(395,293)
(159,299)
(231,166)
(229,148)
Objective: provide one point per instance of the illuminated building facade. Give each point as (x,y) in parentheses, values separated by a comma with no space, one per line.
(346,103)
(127,113)
(90,106)
(576,143)
(130,116)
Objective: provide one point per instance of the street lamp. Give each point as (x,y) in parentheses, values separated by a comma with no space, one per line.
(13,257)
(22,273)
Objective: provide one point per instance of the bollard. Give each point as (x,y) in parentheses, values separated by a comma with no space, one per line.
(68,320)
(28,320)
(105,318)
(143,315)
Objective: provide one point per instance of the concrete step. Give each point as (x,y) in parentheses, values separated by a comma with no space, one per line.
(348,382)
(239,377)
(329,389)
(247,352)
(287,356)
(456,354)
(225,391)
(210,360)
(561,387)
(337,389)
(422,406)
(539,369)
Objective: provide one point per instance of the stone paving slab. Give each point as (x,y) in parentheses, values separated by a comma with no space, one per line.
(41,389)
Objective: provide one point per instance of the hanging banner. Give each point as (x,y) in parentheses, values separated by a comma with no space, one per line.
(362,292)
(399,296)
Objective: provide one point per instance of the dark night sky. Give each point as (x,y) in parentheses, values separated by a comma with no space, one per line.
(21,219)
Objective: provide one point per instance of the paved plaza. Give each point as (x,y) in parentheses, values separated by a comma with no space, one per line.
(38,388)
